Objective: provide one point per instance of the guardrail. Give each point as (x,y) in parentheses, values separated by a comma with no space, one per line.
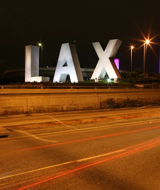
(77,87)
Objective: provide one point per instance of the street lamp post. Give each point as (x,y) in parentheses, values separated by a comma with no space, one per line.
(144,57)
(131,56)
(41,53)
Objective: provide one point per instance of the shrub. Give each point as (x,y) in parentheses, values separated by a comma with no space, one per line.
(129,103)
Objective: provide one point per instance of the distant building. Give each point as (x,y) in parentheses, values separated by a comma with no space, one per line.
(19,74)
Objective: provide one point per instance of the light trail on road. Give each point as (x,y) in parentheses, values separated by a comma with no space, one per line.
(91,138)
(129,151)
(106,126)
(101,127)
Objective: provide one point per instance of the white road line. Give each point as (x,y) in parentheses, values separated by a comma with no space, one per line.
(76,130)
(61,122)
(35,137)
(110,126)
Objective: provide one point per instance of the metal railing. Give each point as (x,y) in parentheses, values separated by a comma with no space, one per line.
(78,87)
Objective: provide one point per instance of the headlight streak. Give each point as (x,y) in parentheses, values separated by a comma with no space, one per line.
(81,160)
(91,128)
(91,138)
(129,152)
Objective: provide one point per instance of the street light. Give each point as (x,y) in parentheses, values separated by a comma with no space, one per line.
(132,47)
(39,44)
(147,41)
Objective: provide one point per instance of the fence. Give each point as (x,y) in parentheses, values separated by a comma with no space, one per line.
(147,86)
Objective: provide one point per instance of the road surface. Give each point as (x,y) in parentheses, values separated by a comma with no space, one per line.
(87,150)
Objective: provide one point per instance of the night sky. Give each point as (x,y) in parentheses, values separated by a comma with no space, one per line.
(52,22)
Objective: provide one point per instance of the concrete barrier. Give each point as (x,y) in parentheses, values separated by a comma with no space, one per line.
(18,101)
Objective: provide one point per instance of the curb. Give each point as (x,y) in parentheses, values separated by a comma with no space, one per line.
(4,132)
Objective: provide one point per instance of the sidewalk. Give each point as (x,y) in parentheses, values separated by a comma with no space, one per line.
(24,119)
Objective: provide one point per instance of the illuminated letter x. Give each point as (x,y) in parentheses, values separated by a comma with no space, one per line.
(106,63)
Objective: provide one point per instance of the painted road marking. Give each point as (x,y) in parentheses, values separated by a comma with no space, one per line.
(62,164)
(101,155)
(128,152)
(102,127)
(61,122)
(91,138)
(36,137)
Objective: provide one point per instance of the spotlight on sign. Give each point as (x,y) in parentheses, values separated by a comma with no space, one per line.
(108,80)
(116,61)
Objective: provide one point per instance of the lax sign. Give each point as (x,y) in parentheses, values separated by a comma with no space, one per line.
(68,63)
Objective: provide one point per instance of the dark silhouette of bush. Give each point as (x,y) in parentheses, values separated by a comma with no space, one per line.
(111,103)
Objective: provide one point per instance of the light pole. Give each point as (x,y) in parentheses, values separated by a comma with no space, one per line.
(147,41)
(132,47)
(41,53)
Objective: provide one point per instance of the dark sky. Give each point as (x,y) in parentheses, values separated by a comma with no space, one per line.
(53,22)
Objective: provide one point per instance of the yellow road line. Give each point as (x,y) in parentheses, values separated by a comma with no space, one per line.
(62,164)
(101,155)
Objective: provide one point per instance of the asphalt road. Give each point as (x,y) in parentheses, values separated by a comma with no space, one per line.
(117,150)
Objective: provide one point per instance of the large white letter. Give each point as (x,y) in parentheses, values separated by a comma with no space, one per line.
(106,61)
(32,65)
(68,64)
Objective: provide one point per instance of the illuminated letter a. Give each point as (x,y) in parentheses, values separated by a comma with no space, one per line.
(68,64)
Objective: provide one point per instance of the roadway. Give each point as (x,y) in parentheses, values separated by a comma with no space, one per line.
(89,150)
